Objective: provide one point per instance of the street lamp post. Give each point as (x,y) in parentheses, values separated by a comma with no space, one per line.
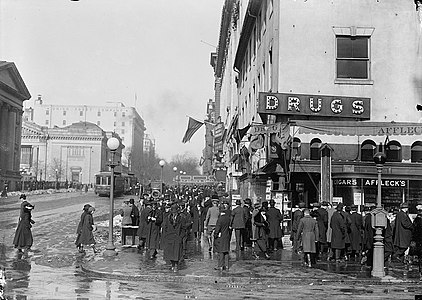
(180,191)
(161,163)
(57,179)
(175,174)
(379,222)
(113,144)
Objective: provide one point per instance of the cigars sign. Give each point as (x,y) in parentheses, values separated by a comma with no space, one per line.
(314,105)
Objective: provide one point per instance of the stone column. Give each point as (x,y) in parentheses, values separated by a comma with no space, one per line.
(12,139)
(326,174)
(4,121)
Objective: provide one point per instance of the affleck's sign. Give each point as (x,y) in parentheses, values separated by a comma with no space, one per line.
(314,105)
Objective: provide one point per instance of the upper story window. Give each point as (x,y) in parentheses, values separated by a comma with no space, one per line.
(315,147)
(46,122)
(297,147)
(367,150)
(47,112)
(98,123)
(123,114)
(123,123)
(64,113)
(115,114)
(99,113)
(353,60)
(81,113)
(64,122)
(416,152)
(393,152)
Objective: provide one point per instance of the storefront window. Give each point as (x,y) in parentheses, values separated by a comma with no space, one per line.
(367,150)
(393,151)
(315,146)
(416,152)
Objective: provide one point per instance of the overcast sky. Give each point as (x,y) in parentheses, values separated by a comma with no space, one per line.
(95,51)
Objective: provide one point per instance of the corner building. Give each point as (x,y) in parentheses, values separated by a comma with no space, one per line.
(309,91)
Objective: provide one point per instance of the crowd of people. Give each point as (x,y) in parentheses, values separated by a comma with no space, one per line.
(341,233)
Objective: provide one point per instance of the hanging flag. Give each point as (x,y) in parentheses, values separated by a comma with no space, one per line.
(193,126)
(240,133)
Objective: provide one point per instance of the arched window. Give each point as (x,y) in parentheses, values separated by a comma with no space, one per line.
(296,147)
(393,151)
(416,152)
(367,150)
(315,146)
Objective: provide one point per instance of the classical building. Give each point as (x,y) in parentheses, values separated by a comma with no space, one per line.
(125,121)
(305,104)
(12,94)
(72,154)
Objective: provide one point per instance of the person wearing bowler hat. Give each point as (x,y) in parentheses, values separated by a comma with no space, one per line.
(238,222)
(222,235)
(173,230)
(339,231)
(402,233)
(274,221)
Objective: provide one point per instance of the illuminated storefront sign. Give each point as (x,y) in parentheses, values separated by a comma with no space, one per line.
(314,105)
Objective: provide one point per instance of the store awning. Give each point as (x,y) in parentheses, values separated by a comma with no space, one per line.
(274,166)
(356,128)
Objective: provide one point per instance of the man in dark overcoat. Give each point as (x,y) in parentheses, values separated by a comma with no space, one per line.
(297,215)
(402,233)
(274,221)
(222,235)
(339,228)
(143,219)
(368,236)
(247,207)
(322,220)
(262,230)
(173,230)
(153,229)
(356,227)
(237,222)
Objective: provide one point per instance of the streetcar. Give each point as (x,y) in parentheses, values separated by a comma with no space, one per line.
(123,183)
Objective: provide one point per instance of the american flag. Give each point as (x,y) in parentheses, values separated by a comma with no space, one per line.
(193,126)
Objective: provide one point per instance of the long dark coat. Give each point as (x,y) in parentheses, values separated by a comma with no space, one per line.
(143,219)
(153,229)
(368,233)
(339,228)
(417,235)
(322,220)
(86,237)
(274,221)
(347,216)
(173,231)
(262,230)
(194,212)
(355,235)
(79,229)
(308,230)
(23,235)
(402,230)
(222,232)
(238,218)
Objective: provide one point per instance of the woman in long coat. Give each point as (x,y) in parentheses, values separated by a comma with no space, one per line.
(339,231)
(222,235)
(308,230)
(262,230)
(23,236)
(79,229)
(87,237)
(173,229)
(153,230)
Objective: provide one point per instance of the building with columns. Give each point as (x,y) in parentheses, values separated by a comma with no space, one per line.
(72,154)
(305,104)
(13,92)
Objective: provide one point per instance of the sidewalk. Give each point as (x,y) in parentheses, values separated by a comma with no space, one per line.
(283,267)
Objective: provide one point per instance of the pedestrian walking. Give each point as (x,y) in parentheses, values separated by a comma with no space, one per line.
(237,222)
(274,221)
(339,228)
(356,227)
(211,220)
(322,220)
(402,233)
(23,239)
(222,235)
(195,211)
(247,207)
(153,230)
(134,214)
(262,230)
(297,215)
(308,233)
(143,221)
(79,229)
(86,238)
(416,243)
(173,227)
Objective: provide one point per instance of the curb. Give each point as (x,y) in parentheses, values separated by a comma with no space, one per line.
(227,279)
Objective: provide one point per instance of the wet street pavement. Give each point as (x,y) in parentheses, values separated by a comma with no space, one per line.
(55,270)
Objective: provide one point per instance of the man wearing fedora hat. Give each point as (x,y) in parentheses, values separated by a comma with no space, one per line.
(211,220)
(402,233)
(339,231)
(274,220)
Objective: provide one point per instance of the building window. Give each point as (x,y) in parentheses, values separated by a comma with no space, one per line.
(98,123)
(123,131)
(99,114)
(26,153)
(64,122)
(416,152)
(123,114)
(115,114)
(47,112)
(296,146)
(367,150)
(123,123)
(76,151)
(315,147)
(46,122)
(352,57)
(114,123)
(81,113)
(393,151)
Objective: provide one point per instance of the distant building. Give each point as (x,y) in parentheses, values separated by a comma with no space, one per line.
(13,92)
(125,121)
(72,154)
(149,146)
